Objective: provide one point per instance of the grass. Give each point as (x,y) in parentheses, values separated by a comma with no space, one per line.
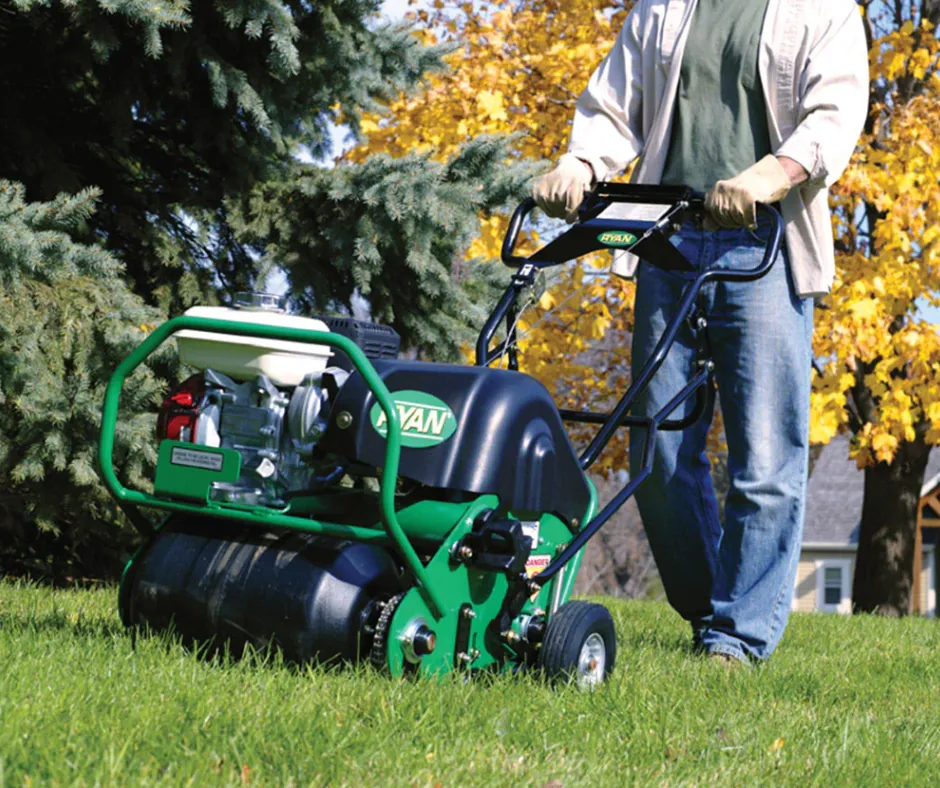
(844,701)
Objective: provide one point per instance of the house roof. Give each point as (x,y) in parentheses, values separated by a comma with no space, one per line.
(835,491)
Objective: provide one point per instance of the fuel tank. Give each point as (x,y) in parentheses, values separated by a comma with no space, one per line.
(212,581)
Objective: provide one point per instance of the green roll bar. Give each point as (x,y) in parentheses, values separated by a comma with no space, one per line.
(389,476)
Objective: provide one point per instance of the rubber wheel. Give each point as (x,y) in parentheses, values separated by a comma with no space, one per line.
(580,644)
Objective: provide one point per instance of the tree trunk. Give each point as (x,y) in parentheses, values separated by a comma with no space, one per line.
(884,570)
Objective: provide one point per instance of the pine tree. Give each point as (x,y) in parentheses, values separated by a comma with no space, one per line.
(183,121)
(395,231)
(173,108)
(68,318)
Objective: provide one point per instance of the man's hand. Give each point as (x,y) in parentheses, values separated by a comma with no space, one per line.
(733,203)
(560,192)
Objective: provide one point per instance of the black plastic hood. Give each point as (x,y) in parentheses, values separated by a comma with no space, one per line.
(506,436)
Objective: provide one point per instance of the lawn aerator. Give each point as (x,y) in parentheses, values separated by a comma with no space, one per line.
(345,504)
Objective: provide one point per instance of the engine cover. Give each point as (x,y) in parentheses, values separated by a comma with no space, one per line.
(466,428)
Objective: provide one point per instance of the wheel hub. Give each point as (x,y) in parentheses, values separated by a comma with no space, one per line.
(591,661)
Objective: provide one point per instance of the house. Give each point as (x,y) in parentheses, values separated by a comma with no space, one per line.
(830,534)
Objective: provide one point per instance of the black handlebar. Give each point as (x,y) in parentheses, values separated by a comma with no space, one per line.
(578,240)
(648,239)
(512,234)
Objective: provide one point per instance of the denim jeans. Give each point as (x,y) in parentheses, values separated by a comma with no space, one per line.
(733,583)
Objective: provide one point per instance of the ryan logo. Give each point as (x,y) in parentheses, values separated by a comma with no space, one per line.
(617,238)
(425,420)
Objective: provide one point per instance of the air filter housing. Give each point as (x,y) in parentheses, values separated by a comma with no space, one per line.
(375,340)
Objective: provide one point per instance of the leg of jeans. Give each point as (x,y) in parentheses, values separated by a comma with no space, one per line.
(761,338)
(677,501)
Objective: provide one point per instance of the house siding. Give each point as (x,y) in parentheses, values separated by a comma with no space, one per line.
(804,593)
(925,584)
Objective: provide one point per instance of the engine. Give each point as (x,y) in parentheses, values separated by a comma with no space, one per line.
(269,400)
(275,430)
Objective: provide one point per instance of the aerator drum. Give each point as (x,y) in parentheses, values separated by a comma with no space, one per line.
(341,504)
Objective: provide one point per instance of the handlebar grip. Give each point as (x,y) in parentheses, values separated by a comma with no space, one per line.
(512,234)
(770,251)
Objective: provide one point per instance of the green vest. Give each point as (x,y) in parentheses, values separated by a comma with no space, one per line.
(720,122)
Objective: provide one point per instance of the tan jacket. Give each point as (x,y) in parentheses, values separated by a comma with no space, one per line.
(813,65)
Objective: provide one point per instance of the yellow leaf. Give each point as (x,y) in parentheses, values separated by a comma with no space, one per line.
(864,309)
(491,104)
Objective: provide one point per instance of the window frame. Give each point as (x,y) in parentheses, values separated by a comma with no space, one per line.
(845,566)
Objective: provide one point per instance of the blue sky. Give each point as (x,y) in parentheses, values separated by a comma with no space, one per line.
(395,9)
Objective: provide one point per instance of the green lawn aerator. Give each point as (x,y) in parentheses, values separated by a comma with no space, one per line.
(345,505)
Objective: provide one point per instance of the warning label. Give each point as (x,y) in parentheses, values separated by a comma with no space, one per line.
(192,458)
(536,564)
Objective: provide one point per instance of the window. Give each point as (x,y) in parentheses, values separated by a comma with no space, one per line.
(833,585)
(832,590)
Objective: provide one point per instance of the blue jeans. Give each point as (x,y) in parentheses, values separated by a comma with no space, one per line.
(734,584)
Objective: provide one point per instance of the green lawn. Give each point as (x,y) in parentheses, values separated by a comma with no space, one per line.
(843,701)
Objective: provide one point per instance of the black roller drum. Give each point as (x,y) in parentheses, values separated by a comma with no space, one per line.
(210,580)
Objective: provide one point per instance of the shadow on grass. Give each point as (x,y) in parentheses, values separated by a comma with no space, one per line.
(76,624)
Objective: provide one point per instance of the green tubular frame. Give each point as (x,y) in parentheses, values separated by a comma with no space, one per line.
(389,476)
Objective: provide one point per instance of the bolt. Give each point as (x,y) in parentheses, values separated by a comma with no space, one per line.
(463,656)
(469,613)
(575,522)
(474,653)
(511,637)
(465,553)
(344,419)
(533,587)
(538,612)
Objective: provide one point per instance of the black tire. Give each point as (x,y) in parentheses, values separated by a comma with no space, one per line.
(569,631)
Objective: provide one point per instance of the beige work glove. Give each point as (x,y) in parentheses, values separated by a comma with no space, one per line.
(732,203)
(560,192)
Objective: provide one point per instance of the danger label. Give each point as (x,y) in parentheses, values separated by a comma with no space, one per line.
(536,564)
(192,458)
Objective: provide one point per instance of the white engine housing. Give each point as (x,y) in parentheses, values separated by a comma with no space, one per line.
(243,358)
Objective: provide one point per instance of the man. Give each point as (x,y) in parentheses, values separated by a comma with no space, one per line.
(750,101)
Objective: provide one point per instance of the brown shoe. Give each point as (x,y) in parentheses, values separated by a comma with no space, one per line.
(725,660)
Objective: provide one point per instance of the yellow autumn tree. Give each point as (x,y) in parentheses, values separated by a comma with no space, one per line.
(518,67)
(878,374)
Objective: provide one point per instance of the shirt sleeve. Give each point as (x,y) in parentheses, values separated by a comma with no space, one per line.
(607,121)
(833,96)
